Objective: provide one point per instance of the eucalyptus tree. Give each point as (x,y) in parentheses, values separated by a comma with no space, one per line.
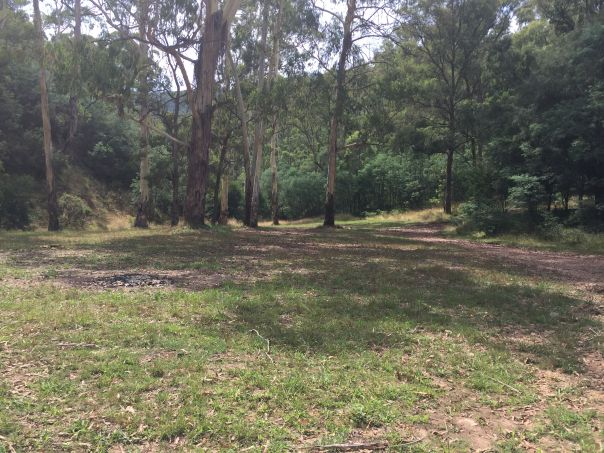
(69,55)
(446,38)
(52,206)
(176,27)
(286,25)
(261,93)
(245,140)
(273,69)
(174,127)
(142,208)
(264,88)
(362,19)
(338,111)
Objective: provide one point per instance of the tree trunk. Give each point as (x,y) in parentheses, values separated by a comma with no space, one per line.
(259,130)
(73,98)
(449,182)
(219,172)
(330,209)
(52,206)
(175,207)
(274,185)
(242,112)
(273,70)
(224,200)
(142,209)
(199,152)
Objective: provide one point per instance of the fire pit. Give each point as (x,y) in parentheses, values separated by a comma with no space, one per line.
(134,280)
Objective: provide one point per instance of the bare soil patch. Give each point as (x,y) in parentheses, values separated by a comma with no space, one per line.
(130,279)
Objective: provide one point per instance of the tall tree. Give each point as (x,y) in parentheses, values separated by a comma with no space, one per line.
(273,71)
(448,36)
(338,112)
(73,97)
(259,129)
(52,205)
(142,208)
(245,140)
(216,24)
(177,27)
(175,148)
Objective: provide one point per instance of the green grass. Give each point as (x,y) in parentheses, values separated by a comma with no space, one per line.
(571,240)
(371,336)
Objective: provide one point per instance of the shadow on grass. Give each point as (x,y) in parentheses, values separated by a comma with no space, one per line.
(348,290)
(342,311)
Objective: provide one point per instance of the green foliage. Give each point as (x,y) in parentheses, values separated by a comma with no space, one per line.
(16,193)
(106,145)
(74,211)
(302,195)
(588,216)
(388,182)
(549,226)
(481,216)
(526,192)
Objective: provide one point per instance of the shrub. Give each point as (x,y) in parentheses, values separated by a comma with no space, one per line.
(15,195)
(527,192)
(549,227)
(481,216)
(74,211)
(302,194)
(589,217)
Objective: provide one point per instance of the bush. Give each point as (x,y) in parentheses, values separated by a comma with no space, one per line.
(74,212)
(15,195)
(481,216)
(302,195)
(589,217)
(549,227)
(527,192)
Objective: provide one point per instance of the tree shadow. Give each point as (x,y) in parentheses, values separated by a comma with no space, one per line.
(351,289)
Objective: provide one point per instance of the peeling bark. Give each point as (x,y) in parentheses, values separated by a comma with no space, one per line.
(216,25)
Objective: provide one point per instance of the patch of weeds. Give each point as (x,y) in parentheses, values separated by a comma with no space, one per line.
(372,413)
(577,427)
(50,273)
(170,428)
(55,386)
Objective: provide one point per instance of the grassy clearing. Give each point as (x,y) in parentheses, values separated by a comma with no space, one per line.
(371,335)
(571,240)
(433,215)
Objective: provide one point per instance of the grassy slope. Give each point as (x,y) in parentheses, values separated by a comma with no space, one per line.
(371,336)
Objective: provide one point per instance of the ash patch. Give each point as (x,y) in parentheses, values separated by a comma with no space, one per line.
(133,281)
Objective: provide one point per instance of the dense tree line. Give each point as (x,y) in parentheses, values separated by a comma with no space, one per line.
(286,108)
